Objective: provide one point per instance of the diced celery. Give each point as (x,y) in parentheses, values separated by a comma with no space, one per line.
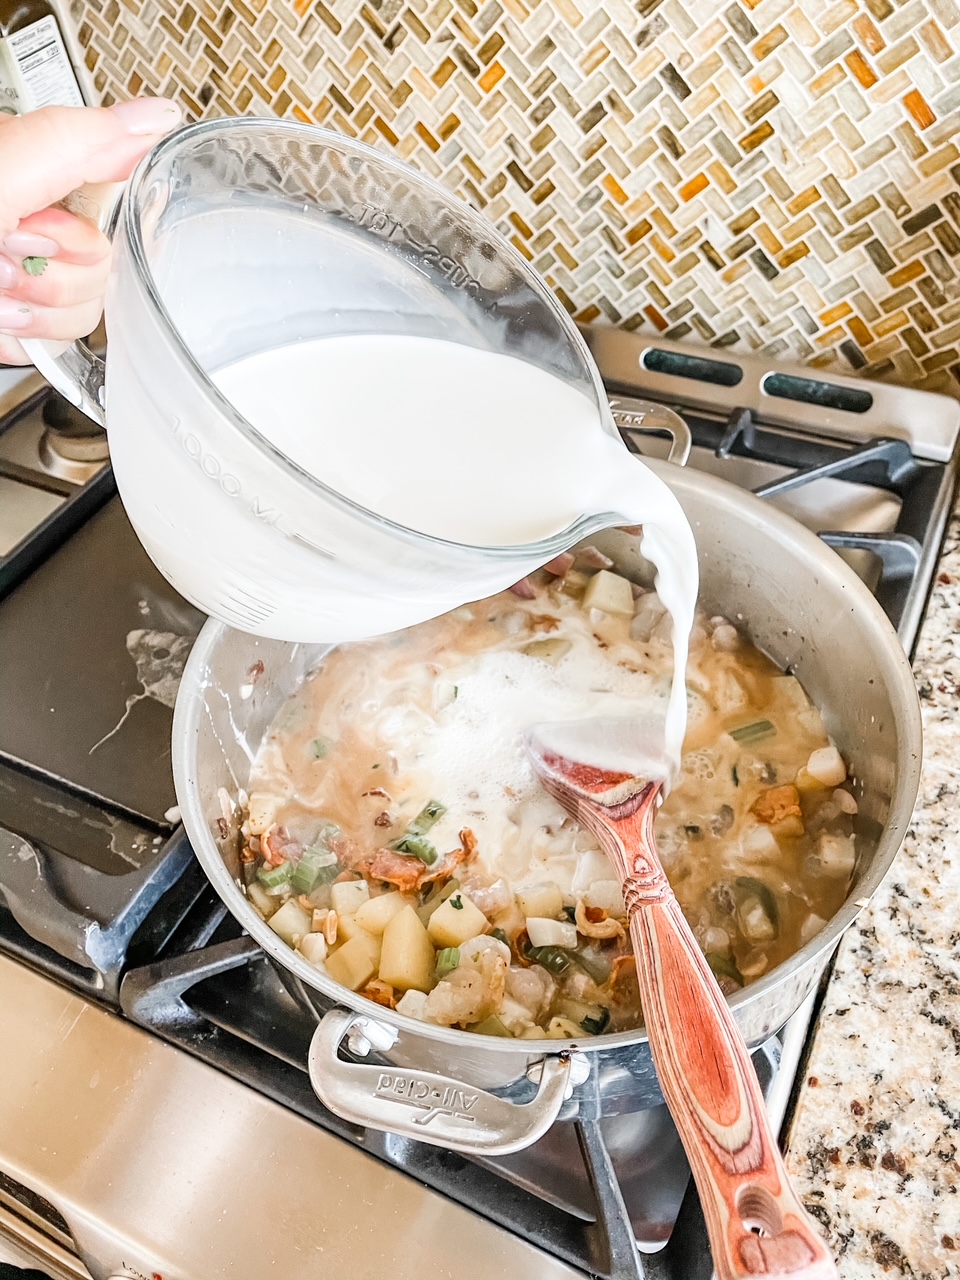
(419,846)
(317,866)
(748,734)
(273,877)
(447,960)
(429,816)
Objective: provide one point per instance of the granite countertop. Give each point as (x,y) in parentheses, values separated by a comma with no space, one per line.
(875,1143)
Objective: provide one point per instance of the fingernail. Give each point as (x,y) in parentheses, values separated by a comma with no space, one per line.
(8,273)
(148,115)
(14,315)
(24,244)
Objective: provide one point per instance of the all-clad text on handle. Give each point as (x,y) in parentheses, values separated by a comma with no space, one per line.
(428,1107)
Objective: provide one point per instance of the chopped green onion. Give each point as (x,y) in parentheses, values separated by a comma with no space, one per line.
(570,913)
(555,960)
(374,766)
(319,748)
(417,845)
(750,733)
(736,776)
(273,877)
(457,903)
(429,816)
(750,885)
(317,866)
(456,691)
(596,1026)
(724,967)
(447,960)
(500,936)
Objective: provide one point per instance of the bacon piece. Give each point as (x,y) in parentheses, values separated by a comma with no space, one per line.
(409,873)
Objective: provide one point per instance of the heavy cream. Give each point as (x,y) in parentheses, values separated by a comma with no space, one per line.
(480,448)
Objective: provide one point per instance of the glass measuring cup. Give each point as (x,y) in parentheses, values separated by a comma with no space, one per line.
(237,236)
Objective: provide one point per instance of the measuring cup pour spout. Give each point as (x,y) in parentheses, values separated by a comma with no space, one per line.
(236,238)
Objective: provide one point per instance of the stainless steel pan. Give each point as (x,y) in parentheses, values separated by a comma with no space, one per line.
(799,602)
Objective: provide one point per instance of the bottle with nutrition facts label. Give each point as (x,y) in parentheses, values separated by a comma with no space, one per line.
(35,68)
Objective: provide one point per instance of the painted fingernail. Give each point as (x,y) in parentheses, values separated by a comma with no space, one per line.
(24,244)
(14,315)
(148,115)
(8,273)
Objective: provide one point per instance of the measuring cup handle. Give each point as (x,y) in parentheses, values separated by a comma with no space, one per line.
(76,371)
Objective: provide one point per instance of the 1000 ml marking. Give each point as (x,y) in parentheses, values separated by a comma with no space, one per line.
(434,1101)
(212,468)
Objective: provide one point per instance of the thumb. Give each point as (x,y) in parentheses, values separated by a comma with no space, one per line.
(46,154)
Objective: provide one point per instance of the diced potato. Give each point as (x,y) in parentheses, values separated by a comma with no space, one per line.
(811,927)
(265,902)
(262,812)
(755,924)
(413,1003)
(407,958)
(375,914)
(789,828)
(551,933)
(845,802)
(649,614)
(609,592)
(608,896)
(727,693)
(355,963)
(348,896)
(759,844)
(313,948)
(543,899)
(837,854)
(574,584)
(456,920)
(348,927)
(806,782)
(827,767)
(591,866)
(551,650)
(291,922)
(791,696)
(514,1016)
(563,1029)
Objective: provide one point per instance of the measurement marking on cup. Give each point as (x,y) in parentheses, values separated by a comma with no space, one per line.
(434,1101)
(211,466)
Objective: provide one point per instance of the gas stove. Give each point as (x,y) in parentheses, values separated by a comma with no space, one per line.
(156,1118)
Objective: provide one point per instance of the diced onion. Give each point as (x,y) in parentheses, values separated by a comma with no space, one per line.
(551,933)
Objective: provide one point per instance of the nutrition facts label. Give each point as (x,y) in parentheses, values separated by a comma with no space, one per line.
(39,60)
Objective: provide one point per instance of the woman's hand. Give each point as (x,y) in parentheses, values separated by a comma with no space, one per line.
(53,266)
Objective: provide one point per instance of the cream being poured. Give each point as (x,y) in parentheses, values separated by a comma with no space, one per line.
(480,448)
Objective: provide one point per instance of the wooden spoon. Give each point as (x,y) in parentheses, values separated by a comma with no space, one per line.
(756,1224)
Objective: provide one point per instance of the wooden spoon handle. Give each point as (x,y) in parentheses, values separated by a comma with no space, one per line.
(756,1223)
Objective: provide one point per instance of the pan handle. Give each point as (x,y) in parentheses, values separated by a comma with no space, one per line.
(643,417)
(427,1107)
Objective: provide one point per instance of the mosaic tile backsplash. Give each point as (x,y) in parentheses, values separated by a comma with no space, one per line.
(761,175)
